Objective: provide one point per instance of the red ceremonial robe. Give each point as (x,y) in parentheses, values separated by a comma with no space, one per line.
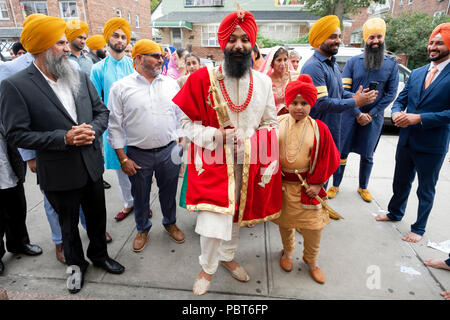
(211,182)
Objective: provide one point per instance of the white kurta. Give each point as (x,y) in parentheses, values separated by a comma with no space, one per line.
(261,111)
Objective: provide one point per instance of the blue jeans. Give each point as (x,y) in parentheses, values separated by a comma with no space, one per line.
(53,220)
(427,166)
(166,166)
(448,260)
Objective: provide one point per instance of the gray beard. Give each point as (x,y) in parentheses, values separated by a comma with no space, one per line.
(373,58)
(63,71)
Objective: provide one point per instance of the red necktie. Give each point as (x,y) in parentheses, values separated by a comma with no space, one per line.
(430,77)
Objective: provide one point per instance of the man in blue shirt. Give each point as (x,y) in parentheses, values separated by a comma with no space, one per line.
(332,99)
(362,126)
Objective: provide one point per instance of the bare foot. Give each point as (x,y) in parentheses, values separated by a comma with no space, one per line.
(127,210)
(435,263)
(382,217)
(446,294)
(412,237)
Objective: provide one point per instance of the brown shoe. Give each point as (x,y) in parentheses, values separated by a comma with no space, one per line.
(60,253)
(139,241)
(108,237)
(285,262)
(317,275)
(176,234)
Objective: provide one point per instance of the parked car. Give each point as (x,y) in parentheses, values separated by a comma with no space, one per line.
(343,55)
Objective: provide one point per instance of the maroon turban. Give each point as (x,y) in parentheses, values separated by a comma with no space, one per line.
(242,18)
(302,86)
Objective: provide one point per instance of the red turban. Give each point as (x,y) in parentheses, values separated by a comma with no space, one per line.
(444,30)
(302,86)
(244,19)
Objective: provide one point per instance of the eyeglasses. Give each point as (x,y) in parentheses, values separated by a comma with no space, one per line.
(154,55)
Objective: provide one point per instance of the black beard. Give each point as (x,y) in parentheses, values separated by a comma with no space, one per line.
(101,54)
(440,56)
(117,50)
(237,66)
(373,57)
(328,51)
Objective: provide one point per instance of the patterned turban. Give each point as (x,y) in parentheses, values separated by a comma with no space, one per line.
(41,33)
(116,23)
(302,86)
(322,29)
(144,46)
(244,19)
(76,28)
(444,30)
(375,25)
(96,42)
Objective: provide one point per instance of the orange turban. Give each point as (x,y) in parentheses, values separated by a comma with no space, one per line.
(76,28)
(242,18)
(116,23)
(375,25)
(444,30)
(41,33)
(144,46)
(96,42)
(302,86)
(322,29)
(31,17)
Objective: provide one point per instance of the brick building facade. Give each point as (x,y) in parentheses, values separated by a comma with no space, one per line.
(94,12)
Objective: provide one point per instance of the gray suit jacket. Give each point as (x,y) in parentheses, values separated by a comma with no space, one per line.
(34,118)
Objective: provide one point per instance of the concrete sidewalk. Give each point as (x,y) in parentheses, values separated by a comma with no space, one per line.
(361,258)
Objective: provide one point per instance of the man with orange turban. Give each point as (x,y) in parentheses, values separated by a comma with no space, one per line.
(229,113)
(306,145)
(54,109)
(332,99)
(76,33)
(97,47)
(362,126)
(422,112)
(115,66)
(144,118)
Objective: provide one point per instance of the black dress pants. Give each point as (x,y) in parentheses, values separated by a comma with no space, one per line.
(91,197)
(13,213)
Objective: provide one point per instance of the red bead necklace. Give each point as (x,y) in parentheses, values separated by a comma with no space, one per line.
(230,103)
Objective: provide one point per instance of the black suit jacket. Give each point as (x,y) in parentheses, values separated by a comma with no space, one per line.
(34,118)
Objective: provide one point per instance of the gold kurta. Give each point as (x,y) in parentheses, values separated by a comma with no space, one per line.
(295,154)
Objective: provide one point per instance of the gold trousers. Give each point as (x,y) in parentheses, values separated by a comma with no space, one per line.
(311,242)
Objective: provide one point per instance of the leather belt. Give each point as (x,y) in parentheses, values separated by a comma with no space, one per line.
(154,149)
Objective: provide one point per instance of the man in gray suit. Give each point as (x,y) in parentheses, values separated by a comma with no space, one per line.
(55,110)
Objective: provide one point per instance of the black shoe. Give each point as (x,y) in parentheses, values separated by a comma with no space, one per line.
(110,266)
(106,185)
(30,250)
(75,284)
(2,267)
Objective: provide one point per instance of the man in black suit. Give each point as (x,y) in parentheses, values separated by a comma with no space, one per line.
(13,207)
(54,109)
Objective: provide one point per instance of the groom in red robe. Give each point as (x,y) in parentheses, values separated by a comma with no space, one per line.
(234,176)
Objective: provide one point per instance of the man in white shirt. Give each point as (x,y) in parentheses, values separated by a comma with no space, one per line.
(145,120)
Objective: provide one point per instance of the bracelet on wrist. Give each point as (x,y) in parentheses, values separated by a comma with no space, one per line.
(123,161)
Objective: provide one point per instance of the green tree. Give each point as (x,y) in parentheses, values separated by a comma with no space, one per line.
(338,7)
(409,34)
(154,4)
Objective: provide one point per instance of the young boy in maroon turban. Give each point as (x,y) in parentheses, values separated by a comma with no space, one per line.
(306,148)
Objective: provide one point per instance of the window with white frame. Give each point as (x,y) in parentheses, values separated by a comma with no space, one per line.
(203,3)
(409,1)
(280,31)
(30,7)
(68,9)
(119,13)
(209,35)
(3,11)
(138,25)
(289,3)
(129,18)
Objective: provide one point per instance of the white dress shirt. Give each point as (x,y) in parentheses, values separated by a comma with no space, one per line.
(439,66)
(64,94)
(8,179)
(142,114)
